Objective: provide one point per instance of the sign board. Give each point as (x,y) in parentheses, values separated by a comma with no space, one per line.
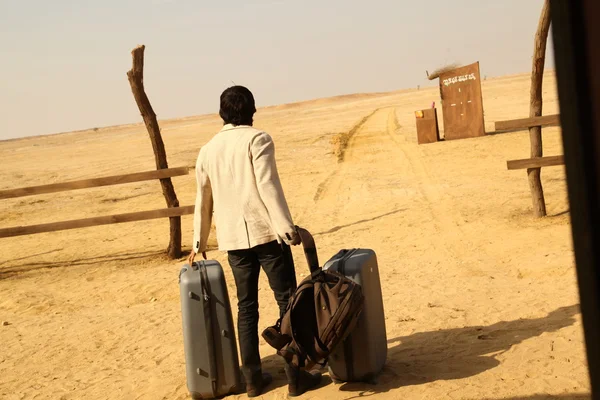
(427,126)
(462,102)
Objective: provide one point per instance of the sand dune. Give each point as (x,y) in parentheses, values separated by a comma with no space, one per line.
(480,298)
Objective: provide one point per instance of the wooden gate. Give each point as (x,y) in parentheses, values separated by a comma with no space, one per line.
(462,102)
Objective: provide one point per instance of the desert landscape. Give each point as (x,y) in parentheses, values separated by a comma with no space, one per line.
(480,297)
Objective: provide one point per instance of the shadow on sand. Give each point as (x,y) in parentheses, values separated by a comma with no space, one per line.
(362,221)
(565,396)
(448,354)
(9,271)
(415,359)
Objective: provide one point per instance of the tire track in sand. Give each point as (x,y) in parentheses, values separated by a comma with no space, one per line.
(348,184)
(345,142)
(375,141)
(446,217)
(345,146)
(448,222)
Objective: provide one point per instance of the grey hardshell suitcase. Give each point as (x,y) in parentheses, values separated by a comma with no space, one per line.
(211,355)
(362,356)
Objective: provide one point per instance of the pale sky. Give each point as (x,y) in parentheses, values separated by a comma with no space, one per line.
(64,62)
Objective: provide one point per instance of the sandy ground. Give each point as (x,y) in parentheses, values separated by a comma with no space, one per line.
(480,298)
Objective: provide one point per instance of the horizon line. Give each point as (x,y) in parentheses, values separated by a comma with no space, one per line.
(135,124)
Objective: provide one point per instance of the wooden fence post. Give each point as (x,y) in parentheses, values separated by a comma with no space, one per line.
(136,80)
(535,110)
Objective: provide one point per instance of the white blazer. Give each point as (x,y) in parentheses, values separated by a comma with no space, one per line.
(237,179)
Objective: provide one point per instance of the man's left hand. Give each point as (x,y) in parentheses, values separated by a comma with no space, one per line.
(192,256)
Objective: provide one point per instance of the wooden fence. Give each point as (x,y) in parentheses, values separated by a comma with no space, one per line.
(534,163)
(174,212)
(95,221)
(525,123)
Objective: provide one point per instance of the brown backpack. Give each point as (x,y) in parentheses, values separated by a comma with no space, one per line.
(321,313)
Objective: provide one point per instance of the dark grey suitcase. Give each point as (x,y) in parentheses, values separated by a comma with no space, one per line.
(211,355)
(362,356)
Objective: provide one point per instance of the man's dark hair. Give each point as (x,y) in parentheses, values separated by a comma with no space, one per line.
(237,106)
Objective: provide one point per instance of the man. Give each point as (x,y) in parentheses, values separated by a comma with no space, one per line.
(237,175)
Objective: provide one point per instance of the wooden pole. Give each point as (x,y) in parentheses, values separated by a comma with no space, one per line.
(535,110)
(136,80)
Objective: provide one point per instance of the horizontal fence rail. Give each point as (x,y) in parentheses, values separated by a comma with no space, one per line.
(525,123)
(95,182)
(536,162)
(96,221)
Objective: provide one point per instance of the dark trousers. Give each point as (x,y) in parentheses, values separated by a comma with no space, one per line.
(276,259)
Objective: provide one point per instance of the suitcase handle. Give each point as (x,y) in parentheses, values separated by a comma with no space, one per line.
(310,249)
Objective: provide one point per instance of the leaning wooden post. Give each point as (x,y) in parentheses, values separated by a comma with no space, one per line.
(136,80)
(535,110)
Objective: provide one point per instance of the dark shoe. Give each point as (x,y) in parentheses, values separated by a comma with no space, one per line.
(255,389)
(300,381)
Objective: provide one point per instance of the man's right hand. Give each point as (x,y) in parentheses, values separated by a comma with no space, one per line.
(294,238)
